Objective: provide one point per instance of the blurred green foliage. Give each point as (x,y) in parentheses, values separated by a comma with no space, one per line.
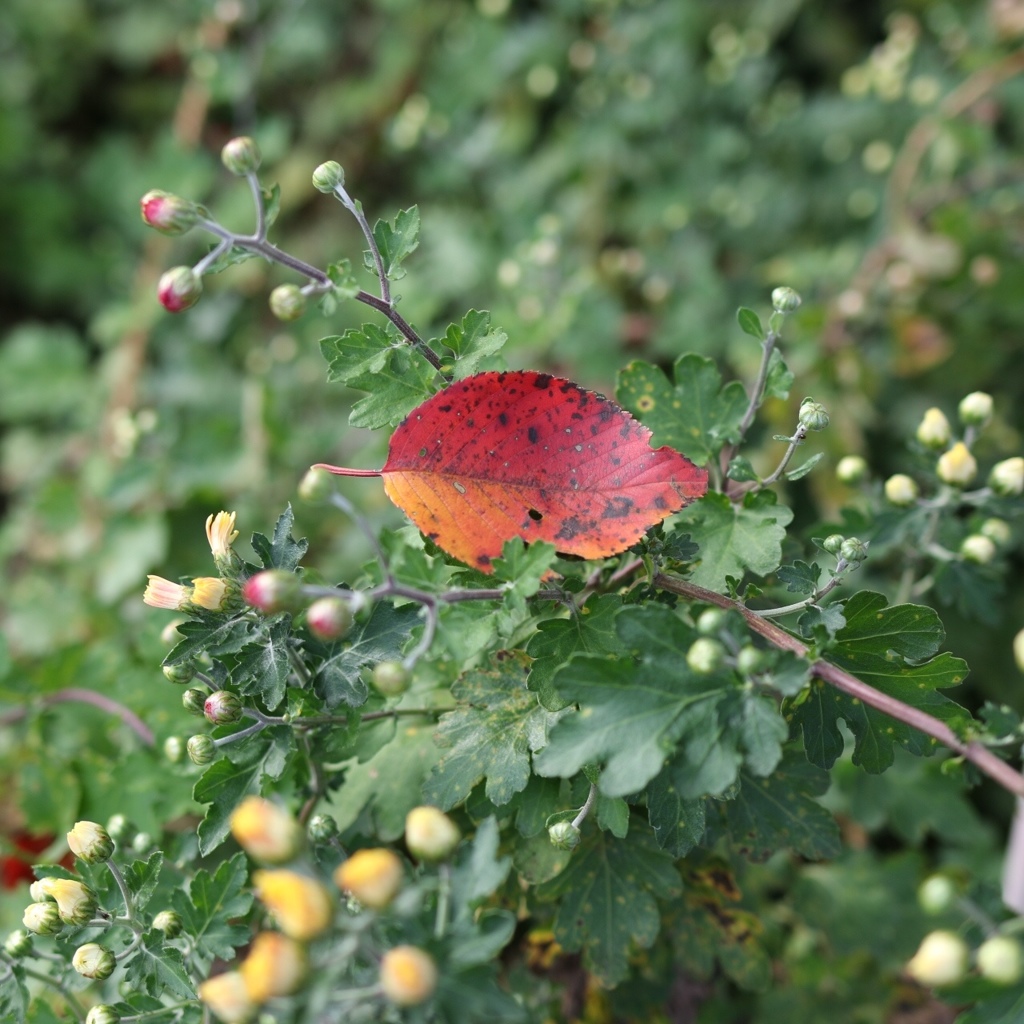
(611,179)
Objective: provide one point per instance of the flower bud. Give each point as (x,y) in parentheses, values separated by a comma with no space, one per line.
(705,655)
(276,966)
(933,431)
(42,918)
(201,748)
(1000,960)
(103,1013)
(210,593)
(1007,477)
(221,534)
(179,288)
(301,906)
(785,300)
(998,531)
(936,894)
(120,829)
(174,749)
(851,469)
(316,485)
(833,542)
(900,490)
(710,621)
(978,549)
(169,214)
(287,302)
(228,998)
(1018,649)
(941,959)
(241,156)
(18,944)
(329,618)
(958,466)
(372,876)
(272,591)
(322,828)
(142,843)
(430,834)
(408,976)
(222,708)
(76,902)
(748,660)
(93,961)
(975,409)
(169,635)
(193,700)
(564,835)
(813,415)
(90,842)
(328,176)
(181,672)
(266,831)
(390,678)
(38,893)
(169,922)
(161,593)
(853,550)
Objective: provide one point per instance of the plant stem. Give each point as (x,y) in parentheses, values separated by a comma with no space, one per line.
(980,756)
(356,209)
(757,391)
(771,613)
(75,694)
(125,894)
(795,441)
(444,891)
(585,809)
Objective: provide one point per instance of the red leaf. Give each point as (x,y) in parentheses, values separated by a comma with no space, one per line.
(525,454)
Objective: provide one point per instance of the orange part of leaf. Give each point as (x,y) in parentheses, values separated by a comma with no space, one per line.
(524,454)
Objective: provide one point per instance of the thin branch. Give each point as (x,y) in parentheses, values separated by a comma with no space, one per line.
(980,756)
(75,694)
(585,809)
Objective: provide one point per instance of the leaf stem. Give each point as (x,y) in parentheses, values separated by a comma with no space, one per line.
(757,391)
(979,755)
(356,209)
(795,441)
(772,613)
(444,892)
(585,809)
(74,694)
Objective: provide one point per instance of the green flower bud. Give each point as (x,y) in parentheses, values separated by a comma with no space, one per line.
(390,678)
(201,749)
(90,842)
(1000,960)
(705,655)
(329,618)
(178,289)
(181,673)
(833,542)
(941,959)
(241,156)
(287,302)
(901,490)
(174,749)
(430,834)
(853,550)
(711,621)
(120,829)
(851,469)
(142,843)
(169,922)
(93,961)
(1007,477)
(316,485)
(328,176)
(934,431)
(102,1013)
(564,835)
(193,700)
(958,466)
(223,708)
(813,415)
(273,590)
(42,918)
(936,894)
(975,409)
(785,300)
(978,549)
(322,828)
(169,214)
(18,944)
(749,660)
(998,531)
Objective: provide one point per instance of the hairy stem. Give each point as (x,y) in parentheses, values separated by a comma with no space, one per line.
(585,809)
(74,694)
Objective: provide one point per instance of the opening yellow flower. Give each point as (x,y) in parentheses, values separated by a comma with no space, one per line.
(75,901)
(161,593)
(276,966)
(210,593)
(301,906)
(221,533)
(227,997)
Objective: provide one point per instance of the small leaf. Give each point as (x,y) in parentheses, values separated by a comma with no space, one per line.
(800,578)
(271,203)
(396,241)
(678,823)
(262,668)
(750,323)
(157,968)
(142,876)
(779,379)
(478,870)
(801,471)
(345,284)
(472,341)
(741,469)
(283,552)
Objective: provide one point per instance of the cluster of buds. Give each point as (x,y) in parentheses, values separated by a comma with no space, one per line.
(848,550)
(944,958)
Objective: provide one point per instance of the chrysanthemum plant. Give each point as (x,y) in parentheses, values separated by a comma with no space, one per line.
(450,792)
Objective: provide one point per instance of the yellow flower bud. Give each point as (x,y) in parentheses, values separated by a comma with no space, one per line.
(228,998)
(978,548)
(408,976)
(372,876)
(975,409)
(265,831)
(1007,477)
(941,959)
(75,901)
(958,466)
(900,490)
(301,906)
(93,961)
(221,533)
(430,834)
(276,966)
(933,431)
(210,593)
(90,842)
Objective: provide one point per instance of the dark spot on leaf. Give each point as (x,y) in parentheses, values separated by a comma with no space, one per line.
(444,408)
(503,419)
(617,508)
(483,559)
(659,502)
(535,515)
(542,381)
(532,435)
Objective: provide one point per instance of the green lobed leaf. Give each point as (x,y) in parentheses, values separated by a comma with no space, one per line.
(735,538)
(678,823)
(360,350)
(800,578)
(522,566)
(283,551)
(209,632)
(588,630)
(472,341)
(212,909)
(491,735)
(14,996)
(395,241)
(696,415)
(142,876)
(157,968)
(607,899)
(474,995)
(262,668)
(478,870)
(404,381)
(741,469)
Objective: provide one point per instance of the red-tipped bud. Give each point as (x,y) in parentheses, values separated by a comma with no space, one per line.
(287,302)
(272,591)
(329,618)
(241,156)
(222,708)
(168,213)
(179,288)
